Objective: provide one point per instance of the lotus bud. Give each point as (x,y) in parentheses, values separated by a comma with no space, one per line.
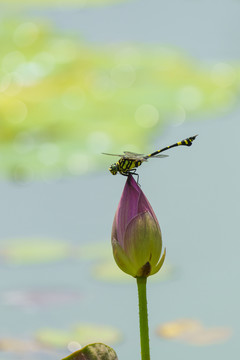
(136,234)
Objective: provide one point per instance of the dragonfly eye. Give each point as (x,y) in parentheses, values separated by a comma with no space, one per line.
(113,169)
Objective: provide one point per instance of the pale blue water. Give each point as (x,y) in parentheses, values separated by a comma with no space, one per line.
(195,194)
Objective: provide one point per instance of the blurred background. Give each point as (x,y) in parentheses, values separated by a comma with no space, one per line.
(82,77)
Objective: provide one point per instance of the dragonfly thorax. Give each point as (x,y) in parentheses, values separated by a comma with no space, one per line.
(113,169)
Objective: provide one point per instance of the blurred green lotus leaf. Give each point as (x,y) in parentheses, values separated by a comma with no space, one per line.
(81,334)
(79,3)
(32,250)
(95,351)
(103,267)
(109,272)
(63,102)
(193,332)
(17,345)
(97,250)
(92,332)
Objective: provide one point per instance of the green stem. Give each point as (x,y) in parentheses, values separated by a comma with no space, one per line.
(143,317)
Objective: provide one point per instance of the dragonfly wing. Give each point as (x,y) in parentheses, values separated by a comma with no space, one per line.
(132,153)
(113,154)
(134,156)
(159,156)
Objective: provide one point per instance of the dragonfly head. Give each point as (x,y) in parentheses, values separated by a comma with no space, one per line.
(113,169)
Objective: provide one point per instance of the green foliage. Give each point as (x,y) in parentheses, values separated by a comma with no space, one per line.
(63,101)
(79,3)
(96,351)
(34,250)
(81,333)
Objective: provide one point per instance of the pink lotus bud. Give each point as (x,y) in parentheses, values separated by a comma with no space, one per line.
(136,234)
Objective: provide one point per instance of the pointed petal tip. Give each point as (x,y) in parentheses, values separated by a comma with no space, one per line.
(160,264)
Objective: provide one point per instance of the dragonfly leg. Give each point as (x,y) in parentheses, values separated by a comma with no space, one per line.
(133,172)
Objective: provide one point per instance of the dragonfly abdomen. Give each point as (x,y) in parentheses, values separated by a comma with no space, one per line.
(186,142)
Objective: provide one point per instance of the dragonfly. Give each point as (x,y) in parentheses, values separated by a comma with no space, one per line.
(130,161)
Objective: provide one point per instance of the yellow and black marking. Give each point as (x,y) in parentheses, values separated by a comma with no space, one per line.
(186,142)
(125,164)
(129,161)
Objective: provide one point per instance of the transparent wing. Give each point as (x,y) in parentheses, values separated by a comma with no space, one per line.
(129,153)
(113,154)
(142,157)
(134,156)
(159,156)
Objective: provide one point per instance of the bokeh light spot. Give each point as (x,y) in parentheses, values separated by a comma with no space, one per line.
(45,62)
(63,50)
(73,346)
(147,116)
(73,98)
(24,142)
(128,55)
(69,88)
(223,74)
(123,75)
(190,97)
(103,87)
(48,153)
(16,111)
(78,163)
(11,84)
(179,116)
(225,100)
(98,141)
(12,60)
(26,34)
(30,73)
